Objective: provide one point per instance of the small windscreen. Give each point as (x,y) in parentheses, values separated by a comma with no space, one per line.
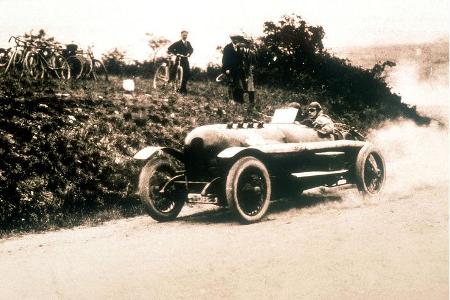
(284,115)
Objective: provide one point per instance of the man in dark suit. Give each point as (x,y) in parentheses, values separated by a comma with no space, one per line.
(184,48)
(232,65)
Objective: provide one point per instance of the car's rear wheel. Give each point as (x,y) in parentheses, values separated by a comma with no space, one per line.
(161,205)
(370,170)
(248,189)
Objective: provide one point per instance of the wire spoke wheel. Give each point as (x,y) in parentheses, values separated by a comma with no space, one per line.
(248,189)
(370,170)
(88,67)
(4,57)
(15,65)
(99,71)
(161,77)
(178,79)
(163,199)
(76,66)
(60,67)
(373,174)
(252,189)
(33,66)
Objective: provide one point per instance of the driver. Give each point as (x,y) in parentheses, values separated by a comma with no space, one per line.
(318,120)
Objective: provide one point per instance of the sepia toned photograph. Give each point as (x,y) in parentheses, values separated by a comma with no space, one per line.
(290,149)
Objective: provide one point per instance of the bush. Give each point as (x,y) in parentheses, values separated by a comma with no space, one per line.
(291,55)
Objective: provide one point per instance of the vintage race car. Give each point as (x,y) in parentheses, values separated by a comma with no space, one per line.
(244,165)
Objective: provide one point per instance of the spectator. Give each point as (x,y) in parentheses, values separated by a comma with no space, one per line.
(249,60)
(233,66)
(184,49)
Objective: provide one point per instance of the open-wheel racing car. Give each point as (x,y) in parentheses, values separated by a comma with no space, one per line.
(244,165)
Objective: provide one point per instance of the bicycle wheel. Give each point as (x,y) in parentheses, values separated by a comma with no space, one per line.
(76,66)
(4,57)
(14,65)
(60,67)
(32,66)
(161,77)
(178,79)
(88,67)
(99,70)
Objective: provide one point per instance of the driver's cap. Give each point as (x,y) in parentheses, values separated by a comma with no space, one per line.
(315,105)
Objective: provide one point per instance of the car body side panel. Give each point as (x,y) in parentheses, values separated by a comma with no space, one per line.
(294,147)
(209,150)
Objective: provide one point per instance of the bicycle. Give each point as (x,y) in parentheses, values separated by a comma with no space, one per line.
(95,68)
(98,69)
(13,58)
(171,72)
(228,82)
(37,59)
(4,57)
(75,60)
(84,64)
(45,59)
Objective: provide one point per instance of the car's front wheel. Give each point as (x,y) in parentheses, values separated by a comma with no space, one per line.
(370,170)
(162,204)
(248,189)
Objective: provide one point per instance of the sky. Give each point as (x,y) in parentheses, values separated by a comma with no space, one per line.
(107,24)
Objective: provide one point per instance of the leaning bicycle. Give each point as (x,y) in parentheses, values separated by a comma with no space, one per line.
(169,74)
(37,59)
(45,60)
(12,59)
(95,69)
(84,65)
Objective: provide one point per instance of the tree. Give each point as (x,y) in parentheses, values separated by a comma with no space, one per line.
(289,47)
(114,61)
(378,69)
(292,36)
(41,35)
(291,54)
(156,43)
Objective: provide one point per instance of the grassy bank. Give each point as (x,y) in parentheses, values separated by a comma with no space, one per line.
(66,148)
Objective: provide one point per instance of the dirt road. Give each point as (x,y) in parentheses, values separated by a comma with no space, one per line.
(329,244)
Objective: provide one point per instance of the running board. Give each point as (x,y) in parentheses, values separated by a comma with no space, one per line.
(318,173)
(330,153)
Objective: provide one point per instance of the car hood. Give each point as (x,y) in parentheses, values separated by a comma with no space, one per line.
(222,136)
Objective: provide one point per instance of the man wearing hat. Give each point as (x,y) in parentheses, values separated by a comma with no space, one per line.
(233,66)
(183,47)
(318,120)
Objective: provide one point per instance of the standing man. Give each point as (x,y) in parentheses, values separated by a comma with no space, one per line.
(184,49)
(249,61)
(233,66)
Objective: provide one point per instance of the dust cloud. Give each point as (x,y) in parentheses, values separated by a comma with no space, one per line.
(417,156)
(422,85)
